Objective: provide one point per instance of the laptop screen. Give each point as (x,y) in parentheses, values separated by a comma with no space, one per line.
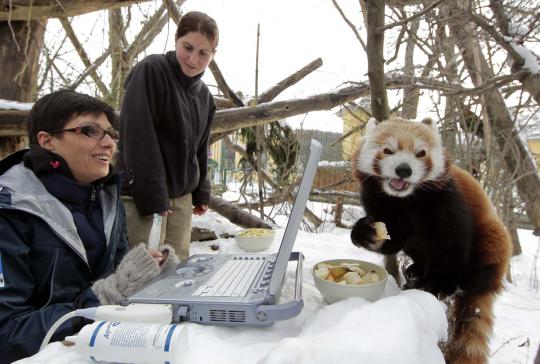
(295,219)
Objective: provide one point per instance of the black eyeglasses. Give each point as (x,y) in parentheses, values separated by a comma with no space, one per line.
(92,131)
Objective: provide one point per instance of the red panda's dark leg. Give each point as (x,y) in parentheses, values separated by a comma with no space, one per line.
(472,316)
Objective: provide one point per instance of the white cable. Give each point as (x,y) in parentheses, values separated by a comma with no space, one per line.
(54,327)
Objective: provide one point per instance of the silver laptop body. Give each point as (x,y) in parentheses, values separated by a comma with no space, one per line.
(236,289)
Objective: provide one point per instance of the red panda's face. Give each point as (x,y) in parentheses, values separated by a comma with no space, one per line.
(402,153)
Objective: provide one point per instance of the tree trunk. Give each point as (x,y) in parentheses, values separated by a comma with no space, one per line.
(505,134)
(338,211)
(236,215)
(375,54)
(20,43)
(411,94)
(451,115)
(119,66)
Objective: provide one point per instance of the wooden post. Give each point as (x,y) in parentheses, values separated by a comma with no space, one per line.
(20,43)
(338,211)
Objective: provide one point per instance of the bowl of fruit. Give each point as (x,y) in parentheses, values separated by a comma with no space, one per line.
(254,240)
(338,279)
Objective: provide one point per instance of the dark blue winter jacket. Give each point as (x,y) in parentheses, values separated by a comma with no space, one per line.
(44,269)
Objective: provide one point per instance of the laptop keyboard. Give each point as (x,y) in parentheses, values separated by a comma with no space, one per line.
(233,279)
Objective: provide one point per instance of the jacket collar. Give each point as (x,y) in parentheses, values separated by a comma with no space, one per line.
(21,189)
(190,84)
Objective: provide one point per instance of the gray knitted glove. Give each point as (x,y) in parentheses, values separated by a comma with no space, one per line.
(135,270)
(170,258)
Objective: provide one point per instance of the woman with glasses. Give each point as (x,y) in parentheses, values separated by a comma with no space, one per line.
(165,125)
(63,239)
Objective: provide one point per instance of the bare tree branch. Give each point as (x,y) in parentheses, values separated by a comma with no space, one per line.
(279,87)
(272,92)
(411,18)
(173,10)
(494,82)
(98,62)
(531,82)
(31,10)
(151,28)
(223,86)
(350,24)
(83,55)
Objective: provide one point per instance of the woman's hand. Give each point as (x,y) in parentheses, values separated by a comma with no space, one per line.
(157,255)
(200,209)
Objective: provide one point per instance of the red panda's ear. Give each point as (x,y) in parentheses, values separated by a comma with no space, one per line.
(428,121)
(431,123)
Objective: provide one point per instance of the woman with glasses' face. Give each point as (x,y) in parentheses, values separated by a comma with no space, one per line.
(86,144)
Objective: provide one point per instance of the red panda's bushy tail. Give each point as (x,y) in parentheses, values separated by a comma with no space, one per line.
(472,317)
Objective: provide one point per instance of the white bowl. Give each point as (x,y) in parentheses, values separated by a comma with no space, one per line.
(333,292)
(254,240)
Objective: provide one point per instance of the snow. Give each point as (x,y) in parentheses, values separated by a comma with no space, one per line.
(334,163)
(518,29)
(401,327)
(14,105)
(531,61)
(529,58)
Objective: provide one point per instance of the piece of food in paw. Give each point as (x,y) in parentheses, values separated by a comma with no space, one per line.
(380,231)
(337,272)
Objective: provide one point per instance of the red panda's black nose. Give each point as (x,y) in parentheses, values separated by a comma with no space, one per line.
(403,170)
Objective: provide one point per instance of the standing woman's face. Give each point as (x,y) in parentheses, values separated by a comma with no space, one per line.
(194,51)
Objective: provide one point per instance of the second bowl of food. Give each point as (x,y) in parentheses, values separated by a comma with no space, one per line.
(254,240)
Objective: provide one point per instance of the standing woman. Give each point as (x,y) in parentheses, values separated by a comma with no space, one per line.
(165,125)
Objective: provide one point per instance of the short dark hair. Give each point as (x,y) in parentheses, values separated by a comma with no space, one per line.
(55,110)
(196,21)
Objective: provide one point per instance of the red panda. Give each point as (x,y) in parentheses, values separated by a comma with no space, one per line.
(439,216)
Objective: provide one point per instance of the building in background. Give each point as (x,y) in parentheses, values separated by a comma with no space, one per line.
(534,146)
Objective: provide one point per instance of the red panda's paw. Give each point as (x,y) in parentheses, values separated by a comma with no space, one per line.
(413,276)
(364,235)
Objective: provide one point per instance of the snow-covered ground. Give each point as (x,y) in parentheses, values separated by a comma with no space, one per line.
(402,327)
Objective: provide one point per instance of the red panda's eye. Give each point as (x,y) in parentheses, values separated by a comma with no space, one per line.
(387,151)
(421,154)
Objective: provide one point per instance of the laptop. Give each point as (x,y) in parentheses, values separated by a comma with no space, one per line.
(236,289)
